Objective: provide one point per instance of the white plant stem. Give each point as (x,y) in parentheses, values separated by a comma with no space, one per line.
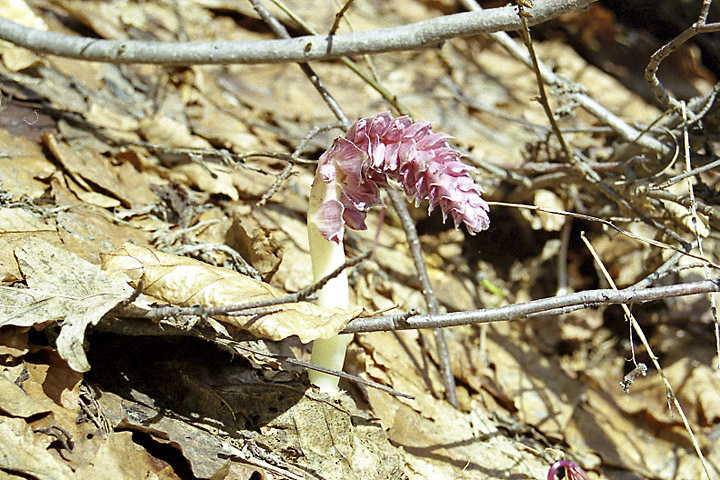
(326,257)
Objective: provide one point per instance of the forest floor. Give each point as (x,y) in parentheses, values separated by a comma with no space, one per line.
(108,167)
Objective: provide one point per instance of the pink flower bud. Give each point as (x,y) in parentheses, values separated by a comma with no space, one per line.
(379,148)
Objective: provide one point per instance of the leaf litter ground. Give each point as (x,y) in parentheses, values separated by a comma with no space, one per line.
(98,156)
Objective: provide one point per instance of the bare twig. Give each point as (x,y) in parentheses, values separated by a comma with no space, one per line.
(352,65)
(430,299)
(338,17)
(655,243)
(524,15)
(573,91)
(661,94)
(694,220)
(241,309)
(229,343)
(586,299)
(417,36)
(287,171)
(709,210)
(689,173)
(653,358)
(319,85)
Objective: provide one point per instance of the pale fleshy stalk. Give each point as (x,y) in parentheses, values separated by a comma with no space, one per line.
(326,257)
(347,184)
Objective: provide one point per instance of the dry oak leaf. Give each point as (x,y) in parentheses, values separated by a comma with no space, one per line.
(186,282)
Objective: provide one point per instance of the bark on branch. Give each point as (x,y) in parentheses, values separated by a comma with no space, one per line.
(416,36)
(551,305)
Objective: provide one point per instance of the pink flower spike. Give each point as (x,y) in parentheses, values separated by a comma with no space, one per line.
(382,148)
(572,471)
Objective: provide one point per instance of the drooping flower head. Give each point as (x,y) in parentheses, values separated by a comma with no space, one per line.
(379,148)
(572,471)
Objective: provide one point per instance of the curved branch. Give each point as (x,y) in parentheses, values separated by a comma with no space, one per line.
(416,36)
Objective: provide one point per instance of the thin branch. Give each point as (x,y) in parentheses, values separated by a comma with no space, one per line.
(228,342)
(287,171)
(430,299)
(661,94)
(698,238)
(541,84)
(648,241)
(338,17)
(586,299)
(573,90)
(653,358)
(416,36)
(689,173)
(319,85)
(685,201)
(241,309)
(352,65)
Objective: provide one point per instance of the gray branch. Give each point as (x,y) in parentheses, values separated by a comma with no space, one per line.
(571,301)
(417,36)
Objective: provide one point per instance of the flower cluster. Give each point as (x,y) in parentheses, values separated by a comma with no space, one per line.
(379,148)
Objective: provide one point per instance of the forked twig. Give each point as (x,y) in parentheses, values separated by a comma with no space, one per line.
(607,117)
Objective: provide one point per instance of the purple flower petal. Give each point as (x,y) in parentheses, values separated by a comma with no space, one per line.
(329,220)
(572,471)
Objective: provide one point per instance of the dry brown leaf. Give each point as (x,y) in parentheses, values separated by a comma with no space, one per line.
(23,165)
(14,401)
(63,287)
(95,174)
(450,290)
(256,243)
(335,440)
(220,128)
(206,454)
(120,457)
(166,131)
(423,426)
(13,342)
(92,198)
(599,425)
(696,385)
(213,179)
(184,281)
(16,226)
(105,117)
(26,453)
